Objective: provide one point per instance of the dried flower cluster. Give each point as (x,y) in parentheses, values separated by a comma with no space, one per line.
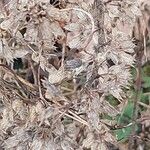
(79,52)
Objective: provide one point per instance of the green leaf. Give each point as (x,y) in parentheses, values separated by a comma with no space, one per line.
(146,70)
(123,120)
(123,134)
(126,115)
(144,99)
(146,81)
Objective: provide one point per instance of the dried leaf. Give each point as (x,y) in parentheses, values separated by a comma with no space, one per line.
(72,27)
(56,76)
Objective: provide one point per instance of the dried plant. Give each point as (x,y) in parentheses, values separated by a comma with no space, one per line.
(77,53)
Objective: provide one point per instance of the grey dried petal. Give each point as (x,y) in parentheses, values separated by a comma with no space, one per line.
(87,142)
(31,34)
(73,64)
(52,91)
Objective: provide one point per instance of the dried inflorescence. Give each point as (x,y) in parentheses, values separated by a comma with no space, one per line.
(72,71)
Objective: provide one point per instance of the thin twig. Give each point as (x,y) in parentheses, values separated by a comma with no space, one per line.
(144,105)
(63,55)
(99,10)
(18,77)
(39,81)
(33,71)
